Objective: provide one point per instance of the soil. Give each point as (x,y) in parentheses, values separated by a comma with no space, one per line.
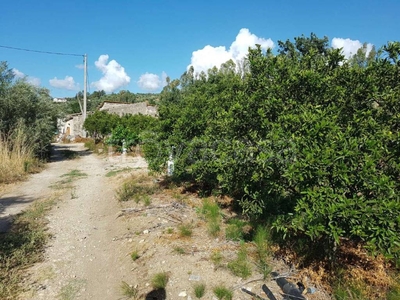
(94,235)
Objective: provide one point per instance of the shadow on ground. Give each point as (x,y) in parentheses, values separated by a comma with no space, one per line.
(158,294)
(5,202)
(61,152)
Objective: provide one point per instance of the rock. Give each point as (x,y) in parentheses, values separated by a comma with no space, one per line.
(182,294)
(194,277)
(146,231)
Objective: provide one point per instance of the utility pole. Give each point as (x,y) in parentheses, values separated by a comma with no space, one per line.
(84,92)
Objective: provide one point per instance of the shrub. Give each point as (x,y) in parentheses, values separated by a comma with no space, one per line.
(199,290)
(160,280)
(222,292)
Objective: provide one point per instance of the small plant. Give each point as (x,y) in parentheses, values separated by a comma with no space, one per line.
(240,267)
(115,172)
(160,280)
(221,292)
(237,230)
(170,230)
(129,291)
(146,200)
(185,230)
(135,255)
(261,242)
(216,258)
(136,188)
(211,211)
(199,290)
(179,250)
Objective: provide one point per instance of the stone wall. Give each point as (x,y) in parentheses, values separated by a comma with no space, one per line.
(129,108)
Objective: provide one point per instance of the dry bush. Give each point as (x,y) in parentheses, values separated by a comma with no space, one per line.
(16,156)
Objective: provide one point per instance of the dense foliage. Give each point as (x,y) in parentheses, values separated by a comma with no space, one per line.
(303,137)
(118,131)
(28,107)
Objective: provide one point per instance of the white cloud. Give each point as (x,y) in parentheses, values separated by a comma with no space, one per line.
(210,56)
(31,80)
(68,83)
(80,66)
(152,82)
(349,47)
(17,73)
(114,75)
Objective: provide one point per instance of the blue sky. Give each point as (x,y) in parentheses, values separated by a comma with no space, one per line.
(133,45)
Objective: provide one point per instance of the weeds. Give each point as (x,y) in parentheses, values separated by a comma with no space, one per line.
(260,240)
(179,250)
(129,291)
(221,292)
(160,280)
(146,200)
(240,267)
(237,230)
(136,188)
(185,230)
(199,290)
(216,258)
(211,211)
(115,172)
(135,255)
(22,246)
(68,178)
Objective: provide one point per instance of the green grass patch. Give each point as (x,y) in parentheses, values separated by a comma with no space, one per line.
(237,230)
(199,290)
(160,280)
(68,178)
(222,292)
(135,255)
(185,230)
(179,250)
(212,213)
(22,246)
(115,172)
(240,267)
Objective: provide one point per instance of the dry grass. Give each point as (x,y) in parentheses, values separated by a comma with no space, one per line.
(16,157)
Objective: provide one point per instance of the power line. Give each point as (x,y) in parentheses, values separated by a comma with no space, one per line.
(38,51)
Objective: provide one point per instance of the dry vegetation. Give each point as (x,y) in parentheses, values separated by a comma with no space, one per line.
(16,157)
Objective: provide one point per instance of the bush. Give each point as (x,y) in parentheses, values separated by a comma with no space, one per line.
(304,138)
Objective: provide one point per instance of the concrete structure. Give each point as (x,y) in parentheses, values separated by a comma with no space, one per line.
(121,108)
(71,126)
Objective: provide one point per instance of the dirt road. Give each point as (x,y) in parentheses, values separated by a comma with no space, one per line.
(94,235)
(82,260)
